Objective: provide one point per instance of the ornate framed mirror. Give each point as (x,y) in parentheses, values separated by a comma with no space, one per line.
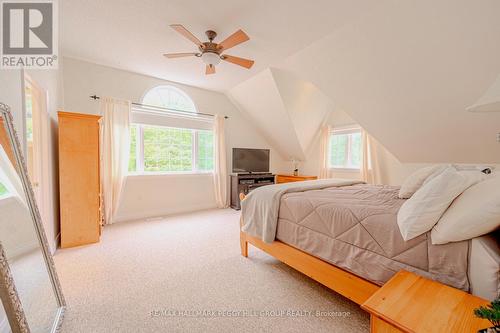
(30,292)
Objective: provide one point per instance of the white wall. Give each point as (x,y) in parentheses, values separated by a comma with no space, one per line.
(16,227)
(310,166)
(392,171)
(288,110)
(12,83)
(11,94)
(306,106)
(4,323)
(49,81)
(149,196)
(407,73)
(260,99)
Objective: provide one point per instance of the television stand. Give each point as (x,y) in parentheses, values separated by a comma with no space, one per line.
(247,182)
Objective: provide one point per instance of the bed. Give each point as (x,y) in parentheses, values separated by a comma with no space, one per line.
(344,234)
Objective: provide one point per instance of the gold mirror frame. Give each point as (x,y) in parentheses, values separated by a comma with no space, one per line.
(8,292)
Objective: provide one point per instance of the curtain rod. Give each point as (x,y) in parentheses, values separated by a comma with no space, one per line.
(95,97)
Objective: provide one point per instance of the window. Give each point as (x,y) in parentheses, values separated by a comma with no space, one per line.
(159,149)
(205,151)
(3,189)
(169,97)
(165,143)
(345,149)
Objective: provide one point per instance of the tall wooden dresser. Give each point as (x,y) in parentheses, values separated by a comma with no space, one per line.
(79,179)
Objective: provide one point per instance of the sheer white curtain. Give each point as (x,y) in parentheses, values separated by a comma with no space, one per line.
(220,167)
(115,152)
(370,169)
(324,171)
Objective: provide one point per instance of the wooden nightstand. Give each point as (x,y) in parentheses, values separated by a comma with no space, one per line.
(411,303)
(291,178)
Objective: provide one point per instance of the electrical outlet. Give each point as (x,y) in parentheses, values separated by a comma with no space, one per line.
(498,137)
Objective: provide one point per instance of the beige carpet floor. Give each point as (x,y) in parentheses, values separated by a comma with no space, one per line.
(185,274)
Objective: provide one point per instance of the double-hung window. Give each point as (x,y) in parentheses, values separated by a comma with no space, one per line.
(170,141)
(345,148)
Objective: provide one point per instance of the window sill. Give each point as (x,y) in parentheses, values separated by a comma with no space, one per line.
(6,196)
(345,170)
(168,174)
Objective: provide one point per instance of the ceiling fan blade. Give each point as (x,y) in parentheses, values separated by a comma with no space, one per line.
(238,61)
(180,55)
(237,38)
(185,32)
(210,69)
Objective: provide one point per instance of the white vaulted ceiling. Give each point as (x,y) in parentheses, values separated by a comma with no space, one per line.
(306,105)
(289,111)
(133,35)
(260,99)
(406,70)
(407,75)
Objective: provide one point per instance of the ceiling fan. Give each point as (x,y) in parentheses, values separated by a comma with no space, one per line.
(210,52)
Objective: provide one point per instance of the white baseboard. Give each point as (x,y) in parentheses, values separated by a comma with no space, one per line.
(23,249)
(54,244)
(163,213)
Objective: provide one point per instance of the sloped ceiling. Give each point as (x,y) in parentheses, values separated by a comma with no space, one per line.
(289,111)
(260,99)
(408,73)
(305,104)
(133,35)
(406,70)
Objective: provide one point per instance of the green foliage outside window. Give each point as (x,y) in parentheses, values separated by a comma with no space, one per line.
(345,150)
(168,149)
(338,150)
(132,163)
(3,189)
(205,160)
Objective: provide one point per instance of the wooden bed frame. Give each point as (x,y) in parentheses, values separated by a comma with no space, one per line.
(347,284)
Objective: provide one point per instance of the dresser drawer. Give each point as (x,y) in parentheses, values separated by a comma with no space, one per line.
(291,178)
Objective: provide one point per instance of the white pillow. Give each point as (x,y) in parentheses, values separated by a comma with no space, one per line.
(474,213)
(424,209)
(418,178)
(469,167)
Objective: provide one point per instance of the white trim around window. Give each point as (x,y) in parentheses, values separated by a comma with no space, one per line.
(345,129)
(139,170)
(348,165)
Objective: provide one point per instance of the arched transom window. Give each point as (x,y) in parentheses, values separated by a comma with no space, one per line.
(169,97)
(167,142)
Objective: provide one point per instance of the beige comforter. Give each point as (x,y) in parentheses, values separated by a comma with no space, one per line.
(355,228)
(260,208)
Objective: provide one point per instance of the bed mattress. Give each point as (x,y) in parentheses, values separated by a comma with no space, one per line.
(355,228)
(484,266)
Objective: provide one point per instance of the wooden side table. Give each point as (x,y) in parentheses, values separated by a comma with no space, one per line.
(411,303)
(291,178)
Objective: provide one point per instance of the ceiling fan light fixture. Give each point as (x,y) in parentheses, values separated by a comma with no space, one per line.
(210,58)
(211,52)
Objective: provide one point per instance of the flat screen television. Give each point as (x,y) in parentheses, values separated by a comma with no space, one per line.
(247,160)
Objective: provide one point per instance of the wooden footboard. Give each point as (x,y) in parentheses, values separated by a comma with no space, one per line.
(347,284)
